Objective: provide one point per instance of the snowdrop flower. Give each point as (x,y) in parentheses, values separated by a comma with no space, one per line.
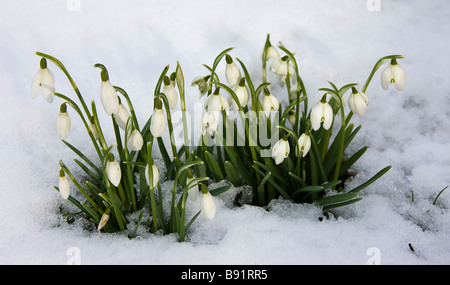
(193,191)
(207,204)
(281,67)
(270,103)
(272,53)
(280,150)
(393,73)
(121,116)
(108,95)
(304,144)
(202,83)
(135,141)
(358,102)
(291,117)
(104,219)
(217,103)
(44,78)
(170,92)
(113,170)
(210,123)
(64,186)
(158,122)
(321,112)
(63,122)
(232,72)
(155,175)
(242,94)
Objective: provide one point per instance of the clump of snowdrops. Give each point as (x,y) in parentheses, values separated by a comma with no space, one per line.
(247,138)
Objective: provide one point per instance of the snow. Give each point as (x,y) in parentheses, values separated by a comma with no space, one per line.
(333,40)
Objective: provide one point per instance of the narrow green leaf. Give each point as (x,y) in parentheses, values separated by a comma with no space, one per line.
(82,156)
(220,190)
(336,199)
(232,174)
(371,180)
(350,161)
(345,203)
(213,166)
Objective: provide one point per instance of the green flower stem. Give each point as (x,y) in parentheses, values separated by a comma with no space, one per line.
(72,82)
(264,58)
(150,185)
(129,171)
(180,85)
(77,109)
(101,138)
(341,142)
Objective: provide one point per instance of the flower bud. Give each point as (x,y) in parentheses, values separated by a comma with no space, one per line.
(122,116)
(155,175)
(170,92)
(64,185)
(44,80)
(241,93)
(158,122)
(113,170)
(135,141)
(109,98)
(93,129)
(217,103)
(232,72)
(193,191)
(63,122)
(207,204)
(104,219)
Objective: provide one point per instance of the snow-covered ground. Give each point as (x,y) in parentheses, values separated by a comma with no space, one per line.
(333,40)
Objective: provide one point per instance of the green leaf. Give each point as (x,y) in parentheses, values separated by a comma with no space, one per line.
(336,199)
(232,174)
(239,165)
(371,180)
(82,156)
(213,166)
(349,162)
(220,190)
(345,203)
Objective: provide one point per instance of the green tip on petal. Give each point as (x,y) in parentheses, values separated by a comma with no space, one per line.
(204,188)
(104,75)
(354,91)
(216,92)
(166,80)
(173,76)
(63,108)
(158,104)
(43,63)
(61,173)
(110,157)
(266,91)
(242,82)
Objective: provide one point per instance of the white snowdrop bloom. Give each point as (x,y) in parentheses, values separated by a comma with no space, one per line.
(272,53)
(321,112)
(232,72)
(304,144)
(64,185)
(269,103)
(193,191)
(113,170)
(393,73)
(155,175)
(357,102)
(122,116)
(291,117)
(202,83)
(109,98)
(241,93)
(158,122)
(44,80)
(207,205)
(63,122)
(135,141)
(217,103)
(104,219)
(210,123)
(280,150)
(281,67)
(170,92)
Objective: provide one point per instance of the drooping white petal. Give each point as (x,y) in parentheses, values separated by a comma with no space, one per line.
(113,172)
(232,74)
(171,95)
(93,131)
(400,77)
(270,103)
(304,144)
(36,84)
(272,53)
(155,175)
(321,112)
(327,116)
(358,102)
(122,116)
(63,124)
(208,206)
(217,103)
(158,123)
(242,95)
(135,142)
(280,151)
(109,98)
(64,187)
(47,85)
(104,219)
